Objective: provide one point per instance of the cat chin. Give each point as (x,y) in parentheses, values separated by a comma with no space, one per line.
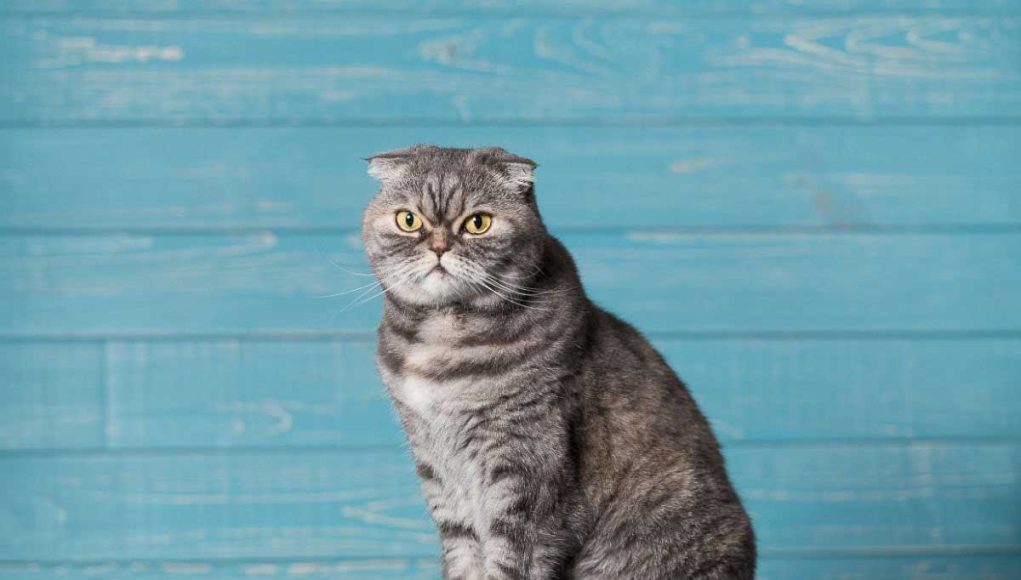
(433,291)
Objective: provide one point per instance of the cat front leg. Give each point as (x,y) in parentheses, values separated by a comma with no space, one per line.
(462,551)
(522,528)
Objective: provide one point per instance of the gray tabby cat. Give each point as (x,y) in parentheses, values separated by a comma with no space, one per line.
(551,439)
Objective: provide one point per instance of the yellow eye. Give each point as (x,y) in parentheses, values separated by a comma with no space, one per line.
(408,221)
(478,223)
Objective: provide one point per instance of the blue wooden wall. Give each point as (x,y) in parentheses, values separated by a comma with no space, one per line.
(812,208)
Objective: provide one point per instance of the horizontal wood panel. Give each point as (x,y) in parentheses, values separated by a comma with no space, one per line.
(244,393)
(317,69)
(230,393)
(511,7)
(376,569)
(663,282)
(238,393)
(210,506)
(366,505)
(811,206)
(51,395)
(955,567)
(928,567)
(778,176)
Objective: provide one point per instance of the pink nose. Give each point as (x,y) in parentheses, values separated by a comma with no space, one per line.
(439,245)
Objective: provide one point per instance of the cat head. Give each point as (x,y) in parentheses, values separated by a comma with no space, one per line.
(452,226)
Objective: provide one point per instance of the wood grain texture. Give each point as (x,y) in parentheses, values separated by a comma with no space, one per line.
(379,569)
(696,177)
(243,393)
(915,567)
(288,504)
(820,199)
(315,69)
(172,284)
(1005,566)
(505,7)
(51,395)
(804,499)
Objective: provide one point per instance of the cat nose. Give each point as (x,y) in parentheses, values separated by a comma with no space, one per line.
(438,244)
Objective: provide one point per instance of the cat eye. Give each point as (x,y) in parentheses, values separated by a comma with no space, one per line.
(408,221)
(478,223)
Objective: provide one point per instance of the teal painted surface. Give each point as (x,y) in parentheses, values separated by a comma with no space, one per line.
(770,568)
(674,177)
(582,7)
(268,392)
(314,69)
(813,209)
(228,391)
(169,283)
(52,395)
(364,504)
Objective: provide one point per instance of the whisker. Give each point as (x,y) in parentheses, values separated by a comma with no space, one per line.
(367,291)
(499,286)
(518,289)
(384,291)
(359,300)
(481,288)
(367,294)
(503,296)
(521,289)
(402,280)
(351,272)
(370,285)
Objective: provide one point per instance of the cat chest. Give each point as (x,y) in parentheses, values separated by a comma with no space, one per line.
(416,383)
(436,413)
(430,400)
(438,439)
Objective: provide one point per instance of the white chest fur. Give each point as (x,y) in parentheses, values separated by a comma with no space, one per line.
(436,414)
(456,495)
(427,397)
(423,396)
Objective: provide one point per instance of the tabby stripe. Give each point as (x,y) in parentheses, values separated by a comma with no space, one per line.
(452,530)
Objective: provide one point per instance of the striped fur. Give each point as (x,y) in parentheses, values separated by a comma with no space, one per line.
(551,439)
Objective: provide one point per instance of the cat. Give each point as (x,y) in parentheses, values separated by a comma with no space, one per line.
(552,441)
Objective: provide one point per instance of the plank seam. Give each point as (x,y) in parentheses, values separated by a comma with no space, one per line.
(370,336)
(497,13)
(400,449)
(583,122)
(935,229)
(864,552)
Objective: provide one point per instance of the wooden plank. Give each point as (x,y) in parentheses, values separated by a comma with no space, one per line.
(237,393)
(52,395)
(663,282)
(288,70)
(509,7)
(935,567)
(381,569)
(292,505)
(930,567)
(854,389)
(230,393)
(703,177)
(877,497)
(212,506)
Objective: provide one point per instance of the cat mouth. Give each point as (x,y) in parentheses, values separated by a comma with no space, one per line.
(437,269)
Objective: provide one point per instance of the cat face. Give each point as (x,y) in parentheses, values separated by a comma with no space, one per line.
(453,226)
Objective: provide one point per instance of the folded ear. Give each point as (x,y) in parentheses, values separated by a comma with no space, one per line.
(392,164)
(519,171)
